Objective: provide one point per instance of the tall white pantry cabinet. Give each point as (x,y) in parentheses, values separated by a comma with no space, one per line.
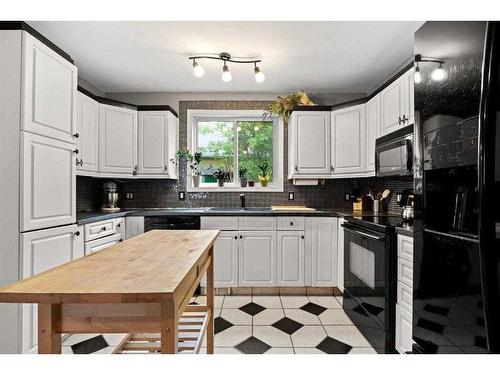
(38,99)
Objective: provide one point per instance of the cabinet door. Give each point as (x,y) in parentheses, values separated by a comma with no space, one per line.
(48,182)
(120,227)
(48,93)
(372,130)
(311,143)
(257,258)
(392,102)
(409,97)
(290,269)
(88,134)
(340,255)
(117,140)
(321,247)
(153,143)
(134,226)
(349,140)
(40,251)
(172,145)
(404,330)
(226,260)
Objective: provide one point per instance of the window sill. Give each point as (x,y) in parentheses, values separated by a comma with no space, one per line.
(235,189)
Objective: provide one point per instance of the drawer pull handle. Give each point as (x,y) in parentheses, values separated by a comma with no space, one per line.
(291,222)
(76,135)
(77,233)
(103,229)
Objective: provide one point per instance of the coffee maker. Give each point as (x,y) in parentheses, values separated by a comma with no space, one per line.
(110,197)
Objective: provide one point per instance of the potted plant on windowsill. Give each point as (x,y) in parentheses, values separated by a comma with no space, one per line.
(193,162)
(221,176)
(242,172)
(264,178)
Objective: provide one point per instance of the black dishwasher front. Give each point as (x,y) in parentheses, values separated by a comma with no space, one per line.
(171,222)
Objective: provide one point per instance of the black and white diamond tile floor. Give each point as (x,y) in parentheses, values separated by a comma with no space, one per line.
(264,325)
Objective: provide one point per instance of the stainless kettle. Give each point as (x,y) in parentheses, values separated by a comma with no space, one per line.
(407,213)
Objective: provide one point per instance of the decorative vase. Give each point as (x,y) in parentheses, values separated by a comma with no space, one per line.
(220,182)
(251,183)
(196,180)
(243,181)
(263,180)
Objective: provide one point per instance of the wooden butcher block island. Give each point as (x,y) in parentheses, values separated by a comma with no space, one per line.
(141,287)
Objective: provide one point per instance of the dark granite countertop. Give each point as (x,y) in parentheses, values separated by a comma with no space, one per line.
(94,216)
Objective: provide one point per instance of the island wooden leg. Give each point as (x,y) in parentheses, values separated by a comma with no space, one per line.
(169,324)
(210,302)
(49,340)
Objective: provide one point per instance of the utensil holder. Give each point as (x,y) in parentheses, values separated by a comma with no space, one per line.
(376,205)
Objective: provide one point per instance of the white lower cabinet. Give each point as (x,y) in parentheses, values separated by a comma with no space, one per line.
(404,330)
(340,255)
(226,260)
(120,227)
(40,251)
(404,300)
(290,262)
(134,225)
(257,258)
(321,251)
(102,243)
(48,182)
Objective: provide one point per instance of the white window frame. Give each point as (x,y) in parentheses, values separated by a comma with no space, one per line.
(195,115)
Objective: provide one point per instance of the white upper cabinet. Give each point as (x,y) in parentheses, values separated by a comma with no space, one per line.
(392,103)
(87,131)
(257,258)
(309,142)
(397,103)
(47,181)
(349,140)
(117,140)
(157,143)
(409,99)
(49,92)
(290,268)
(372,130)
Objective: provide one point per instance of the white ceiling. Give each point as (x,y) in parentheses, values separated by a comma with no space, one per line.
(314,56)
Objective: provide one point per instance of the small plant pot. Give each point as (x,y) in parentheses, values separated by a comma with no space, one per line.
(264,181)
(243,181)
(196,181)
(251,183)
(220,182)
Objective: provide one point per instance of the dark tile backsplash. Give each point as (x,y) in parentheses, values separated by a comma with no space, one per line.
(164,193)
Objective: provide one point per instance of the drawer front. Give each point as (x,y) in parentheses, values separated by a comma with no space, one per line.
(405,296)
(219,222)
(291,223)
(405,272)
(100,229)
(404,330)
(102,243)
(257,223)
(405,247)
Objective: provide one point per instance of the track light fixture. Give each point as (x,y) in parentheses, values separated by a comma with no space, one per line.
(438,74)
(226,58)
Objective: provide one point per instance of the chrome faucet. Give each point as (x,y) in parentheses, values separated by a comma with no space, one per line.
(242,200)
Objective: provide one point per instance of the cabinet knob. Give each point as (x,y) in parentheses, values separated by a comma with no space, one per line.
(76,135)
(291,222)
(77,233)
(118,225)
(103,229)
(76,152)
(241,236)
(120,240)
(302,237)
(332,168)
(404,119)
(235,237)
(165,168)
(296,169)
(134,172)
(399,120)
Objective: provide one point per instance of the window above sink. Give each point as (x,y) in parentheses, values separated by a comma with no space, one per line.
(234,139)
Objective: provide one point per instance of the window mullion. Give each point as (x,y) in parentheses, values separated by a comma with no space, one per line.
(236,176)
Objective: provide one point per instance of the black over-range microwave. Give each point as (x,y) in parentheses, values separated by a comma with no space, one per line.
(394,153)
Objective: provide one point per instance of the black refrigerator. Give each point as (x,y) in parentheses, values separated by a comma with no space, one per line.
(456,300)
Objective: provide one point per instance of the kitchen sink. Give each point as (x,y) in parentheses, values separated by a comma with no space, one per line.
(240,209)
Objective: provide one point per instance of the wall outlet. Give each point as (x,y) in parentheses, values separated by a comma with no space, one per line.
(291,195)
(129,196)
(347,197)
(182,195)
